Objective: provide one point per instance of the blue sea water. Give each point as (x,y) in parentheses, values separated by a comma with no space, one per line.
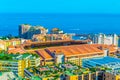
(70,23)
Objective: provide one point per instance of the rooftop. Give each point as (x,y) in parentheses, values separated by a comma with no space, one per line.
(80,49)
(57,70)
(44,54)
(8,76)
(109,62)
(16,50)
(15,57)
(73,50)
(105,60)
(44,69)
(69,66)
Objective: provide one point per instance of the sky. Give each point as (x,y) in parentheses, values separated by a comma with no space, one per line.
(60,6)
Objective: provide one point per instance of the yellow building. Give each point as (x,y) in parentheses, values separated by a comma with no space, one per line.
(12,42)
(15,66)
(45,78)
(74,60)
(17,63)
(117,77)
(73,77)
(4,44)
(46,59)
(50,78)
(85,76)
(21,67)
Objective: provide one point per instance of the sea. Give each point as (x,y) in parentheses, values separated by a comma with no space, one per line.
(69,23)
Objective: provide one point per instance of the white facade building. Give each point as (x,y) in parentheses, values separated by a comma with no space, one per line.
(111,39)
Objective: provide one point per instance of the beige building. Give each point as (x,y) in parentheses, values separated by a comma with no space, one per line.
(4,44)
(27,31)
(51,37)
(111,76)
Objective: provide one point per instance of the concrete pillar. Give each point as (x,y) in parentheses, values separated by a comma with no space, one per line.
(82,76)
(96,75)
(106,52)
(89,76)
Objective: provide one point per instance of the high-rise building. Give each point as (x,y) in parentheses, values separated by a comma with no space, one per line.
(27,31)
(17,63)
(111,39)
(23,29)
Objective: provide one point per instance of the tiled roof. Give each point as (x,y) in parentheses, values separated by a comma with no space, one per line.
(11,46)
(2,42)
(16,50)
(74,50)
(81,49)
(44,54)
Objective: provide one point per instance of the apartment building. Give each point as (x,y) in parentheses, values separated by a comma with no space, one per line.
(98,75)
(17,63)
(51,37)
(113,65)
(4,44)
(109,39)
(27,31)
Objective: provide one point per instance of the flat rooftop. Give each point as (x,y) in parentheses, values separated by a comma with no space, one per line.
(15,57)
(16,50)
(105,60)
(109,62)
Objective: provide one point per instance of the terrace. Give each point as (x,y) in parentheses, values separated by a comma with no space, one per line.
(56,71)
(9,76)
(113,64)
(54,68)
(6,57)
(44,69)
(69,66)
(43,72)
(15,57)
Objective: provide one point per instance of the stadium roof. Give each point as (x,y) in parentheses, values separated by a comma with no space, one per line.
(44,54)
(74,50)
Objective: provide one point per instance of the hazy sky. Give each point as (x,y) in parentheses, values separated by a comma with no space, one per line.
(61,6)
